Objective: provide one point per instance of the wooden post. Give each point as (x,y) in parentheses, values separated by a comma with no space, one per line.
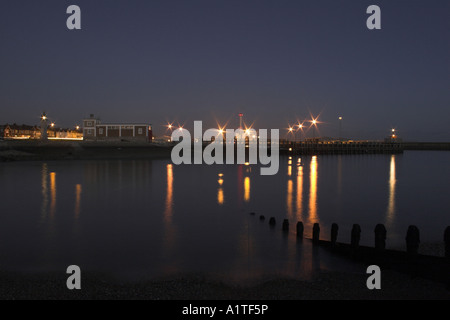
(356,236)
(334,234)
(272,221)
(286,225)
(447,242)
(316,233)
(412,240)
(300,229)
(380,237)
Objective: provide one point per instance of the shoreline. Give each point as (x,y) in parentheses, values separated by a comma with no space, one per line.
(50,151)
(325,286)
(35,150)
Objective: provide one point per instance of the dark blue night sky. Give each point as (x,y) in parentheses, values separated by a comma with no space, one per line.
(275,61)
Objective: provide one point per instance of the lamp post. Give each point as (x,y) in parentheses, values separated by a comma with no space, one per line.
(300,127)
(314,123)
(291,130)
(340,128)
(44,126)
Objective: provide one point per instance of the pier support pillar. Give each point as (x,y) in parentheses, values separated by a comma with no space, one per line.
(356,236)
(286,225)
(447,242)
(300,229)
(380,237)
(272,222)
(412,240)
(316,233)
(334,234)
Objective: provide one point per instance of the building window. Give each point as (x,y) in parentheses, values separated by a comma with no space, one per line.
(89,132)
(89,124)
(100,131)
(140,131)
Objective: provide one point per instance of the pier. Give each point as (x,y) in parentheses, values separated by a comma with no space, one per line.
(339,147)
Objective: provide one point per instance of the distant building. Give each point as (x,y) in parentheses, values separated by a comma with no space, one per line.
(23,131)
(26,132)
(94,130)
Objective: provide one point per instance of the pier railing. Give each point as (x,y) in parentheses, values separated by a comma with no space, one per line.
(340,147)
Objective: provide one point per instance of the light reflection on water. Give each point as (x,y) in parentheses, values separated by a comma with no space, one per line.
(392,185)
(151,218)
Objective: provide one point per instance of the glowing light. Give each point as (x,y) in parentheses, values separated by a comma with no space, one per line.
(65,139)
(77,127)
(78,191)
(220,174)
(340,118)
(392,183)
(52,124)
(220,196)
(169,229)
(52,194)
(169,194)
(291,129)
(299,193)
(220,181)
(44,208)
(313,191)
(247,163)
(289,198)
(247,189)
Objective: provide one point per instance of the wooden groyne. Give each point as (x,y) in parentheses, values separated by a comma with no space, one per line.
(410,262)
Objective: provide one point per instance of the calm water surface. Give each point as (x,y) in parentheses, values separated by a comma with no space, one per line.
(147,219)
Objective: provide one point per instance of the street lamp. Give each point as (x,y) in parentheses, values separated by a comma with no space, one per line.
(340,128)
(300,127)
(314,125)
(393,136)
(293,132)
